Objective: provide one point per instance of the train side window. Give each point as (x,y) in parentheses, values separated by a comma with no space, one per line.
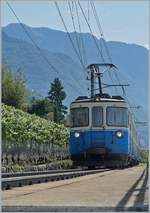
(80,117)
(97,116)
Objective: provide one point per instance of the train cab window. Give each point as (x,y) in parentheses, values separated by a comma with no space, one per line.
(80,117)
(97,116)
(117,116)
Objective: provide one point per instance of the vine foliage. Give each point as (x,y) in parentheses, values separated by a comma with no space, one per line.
(21,127)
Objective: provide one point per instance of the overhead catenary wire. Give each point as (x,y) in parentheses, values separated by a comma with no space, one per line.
(100,29)
(102,36)
(78,54)
(104,43)
(81,38)
(94,39)
(76,37)
(101,33)
(88,11)
(72,43)
(32,40)
(38,48)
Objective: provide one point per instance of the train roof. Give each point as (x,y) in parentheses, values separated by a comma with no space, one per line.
(105,98)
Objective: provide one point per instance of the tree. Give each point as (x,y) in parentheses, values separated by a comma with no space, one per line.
(41,107)
(57,95)
(144,155)
(13,88)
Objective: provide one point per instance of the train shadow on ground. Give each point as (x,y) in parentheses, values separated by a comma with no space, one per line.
(139,201)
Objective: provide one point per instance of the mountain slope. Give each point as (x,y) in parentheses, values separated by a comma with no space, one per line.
(131,59)
(39,74)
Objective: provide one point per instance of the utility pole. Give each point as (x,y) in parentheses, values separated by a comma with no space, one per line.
(92,81)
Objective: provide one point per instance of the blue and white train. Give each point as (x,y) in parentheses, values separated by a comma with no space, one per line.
(103,132)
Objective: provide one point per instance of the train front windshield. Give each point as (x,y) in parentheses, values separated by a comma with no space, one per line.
(117,116)
(80,117)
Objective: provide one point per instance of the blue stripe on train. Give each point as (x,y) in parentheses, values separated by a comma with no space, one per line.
(107,139)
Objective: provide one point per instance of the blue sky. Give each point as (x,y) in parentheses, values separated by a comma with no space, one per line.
(126,21)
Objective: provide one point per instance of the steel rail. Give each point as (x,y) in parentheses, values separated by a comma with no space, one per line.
(8,183)
(28,173)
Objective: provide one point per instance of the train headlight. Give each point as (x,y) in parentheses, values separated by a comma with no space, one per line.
(119,134)
(77,134)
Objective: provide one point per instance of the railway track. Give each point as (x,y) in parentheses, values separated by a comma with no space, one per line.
(9,181)
(19,174)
